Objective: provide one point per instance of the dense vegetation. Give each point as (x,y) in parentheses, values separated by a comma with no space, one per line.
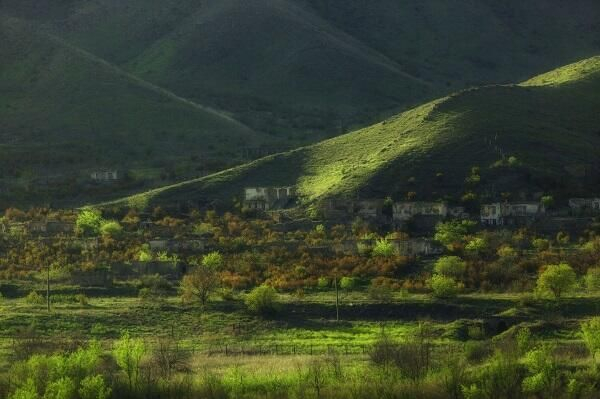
(507,312)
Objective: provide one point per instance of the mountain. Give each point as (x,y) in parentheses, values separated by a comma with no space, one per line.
(303,69)
(63,111)
(539,136)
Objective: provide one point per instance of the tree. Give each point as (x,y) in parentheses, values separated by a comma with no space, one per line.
(477,245)
(556,280)
(450,266)
(383,248)
(590,331)
(348,283)
(89,222)
(443,286)
(452,234)
(94,387)
(262,300)
(111,228)
(203,279)
(128,354)
(592,279)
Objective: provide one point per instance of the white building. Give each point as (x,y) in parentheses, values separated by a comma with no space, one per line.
(266,198)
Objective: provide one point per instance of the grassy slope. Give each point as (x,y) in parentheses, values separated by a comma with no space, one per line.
(549,127)
(304,65)
(70,109)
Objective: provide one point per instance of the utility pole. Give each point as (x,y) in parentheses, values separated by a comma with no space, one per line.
(337,299)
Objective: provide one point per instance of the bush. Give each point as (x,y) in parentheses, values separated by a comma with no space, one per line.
(383,248)
(262,300)
(324,282)
(89,222)
(443,287)
(33,298)
(590,331)
(111,228)
(348,283)
(450,266)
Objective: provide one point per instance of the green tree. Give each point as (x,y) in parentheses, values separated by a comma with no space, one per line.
(89,222)
(443,286)
(477,245)
(452,234)
(383,248)
(348,283)
(590,331)
(544,374)
(555,280)
(94,387)
(62,388)
(128,354)
(262,300)
(111,228)
(203,279)
(592,279)
(450,266)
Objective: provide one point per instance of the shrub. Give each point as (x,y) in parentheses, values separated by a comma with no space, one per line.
(262,300)
(443,286)
(128,354)
(33,298)
(111,228)
(383,248)
(324,282)
(450,266)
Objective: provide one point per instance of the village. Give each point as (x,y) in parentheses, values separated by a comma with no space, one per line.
(163,243)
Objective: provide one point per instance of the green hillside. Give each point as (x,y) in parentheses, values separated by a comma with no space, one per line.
(63,110)
(551,131)
(305,68)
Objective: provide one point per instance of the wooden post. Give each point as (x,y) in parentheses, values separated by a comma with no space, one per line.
(48,285)
(337,299)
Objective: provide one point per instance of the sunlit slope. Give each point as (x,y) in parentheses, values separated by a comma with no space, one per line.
(63,108)
(549,128)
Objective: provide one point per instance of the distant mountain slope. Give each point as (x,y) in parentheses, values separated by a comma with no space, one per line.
(303,68)
(63,110)
(552,129)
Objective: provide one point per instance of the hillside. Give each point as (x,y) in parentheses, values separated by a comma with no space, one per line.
(308,68)
(63,110)
(549,127)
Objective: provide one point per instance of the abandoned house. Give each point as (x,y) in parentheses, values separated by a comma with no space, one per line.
(267,198)
(105,175)
(501,214)
(50,227)
(405,211)
(584,205)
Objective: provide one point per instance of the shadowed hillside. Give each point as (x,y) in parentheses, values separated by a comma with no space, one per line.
(549,126)
(304,68)
(63,110)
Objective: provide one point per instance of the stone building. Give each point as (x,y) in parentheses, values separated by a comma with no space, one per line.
(501,214)
(105,175)
(584,205)
(268,198)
